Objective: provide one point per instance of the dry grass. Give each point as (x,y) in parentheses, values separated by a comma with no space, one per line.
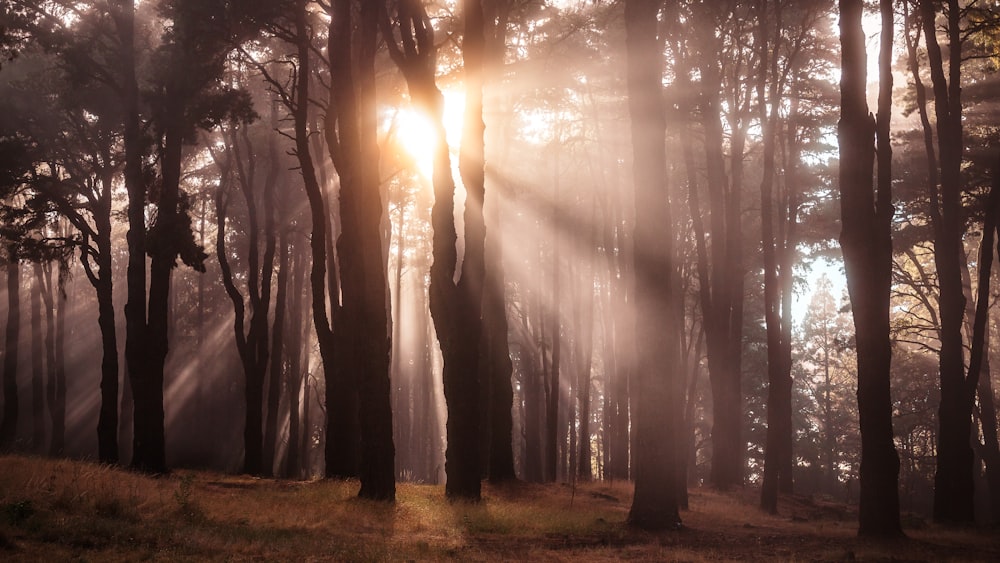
(69,510)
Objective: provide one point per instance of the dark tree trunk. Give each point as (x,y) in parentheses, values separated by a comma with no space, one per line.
(277,354)
(455,307)
(352,142)
(8,427)
(149,448)
(953,481)
(107,423)
(298,427)
(866,216)
(57,383)
(138,352)
(43,275)
(341,452)
(988,418)
(499,368)
(979,353)
(723,318)
(657,387)
(778,451)
(37,363)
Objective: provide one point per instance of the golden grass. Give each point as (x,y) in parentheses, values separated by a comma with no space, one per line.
(55,510)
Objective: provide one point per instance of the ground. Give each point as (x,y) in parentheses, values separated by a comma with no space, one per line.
(62,510)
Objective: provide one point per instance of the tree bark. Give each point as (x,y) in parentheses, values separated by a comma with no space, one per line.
(37,363)
(107,423)
(866,217)
(953,481)
(353,145)
(657,387)
(778,450)
(8,426)
(724,317)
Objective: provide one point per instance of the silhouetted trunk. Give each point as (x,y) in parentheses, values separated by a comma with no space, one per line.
(499,368)
(552,387)
(107,423)
(8,427)
(980,329)
(37,363)
(149,450)
(351,133)
(57,384)
(532,382)
(953,481)
(277,355)
(296,462)
(137,341)
(43,275)
(723,318)
(455,306)
(657,387)
(254,344)
(584,355)
(778,450)
(866,216)
(988,418)
(618,344)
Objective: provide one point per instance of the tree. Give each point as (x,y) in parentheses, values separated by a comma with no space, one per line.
(352,140)
(953,481)
(253,345)
(455,306)
(866,219)
(658,399)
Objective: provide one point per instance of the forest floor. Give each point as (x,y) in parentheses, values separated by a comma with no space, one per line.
(62,510)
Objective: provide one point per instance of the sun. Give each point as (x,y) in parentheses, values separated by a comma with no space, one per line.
(414,132)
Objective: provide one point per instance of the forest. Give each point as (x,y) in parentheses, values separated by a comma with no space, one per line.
(692,246)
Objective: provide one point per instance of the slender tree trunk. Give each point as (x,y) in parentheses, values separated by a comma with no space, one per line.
(37,363)
(107,423)
(585,349)
(271,434)
(57,395)
(8,427)
(778,452)
(658,397)
(723,318)
(953,481)
(553,386)
(866,215)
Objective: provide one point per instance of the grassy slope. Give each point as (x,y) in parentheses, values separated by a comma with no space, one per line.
(63,510)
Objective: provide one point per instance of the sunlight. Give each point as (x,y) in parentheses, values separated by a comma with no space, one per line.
(415,134)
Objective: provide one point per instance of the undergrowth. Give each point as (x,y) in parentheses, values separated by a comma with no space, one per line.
(61,510)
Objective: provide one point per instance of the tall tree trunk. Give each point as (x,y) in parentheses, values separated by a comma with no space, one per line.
(866,216)
(778,451)
(57,396)
(137,343)
(980,329)
(353,145)
(8,427)
(455,306)
(499,368)
(553,387)
(657,395)
(37,363)
(296,462)
(277,377)
(723,318)
(149,450)
(107,423)
(953,481)
(584,354)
